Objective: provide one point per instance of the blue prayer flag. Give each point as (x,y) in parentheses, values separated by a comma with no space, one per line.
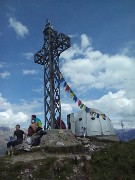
(65,84)
(87,109)
(61,80)
(75,98)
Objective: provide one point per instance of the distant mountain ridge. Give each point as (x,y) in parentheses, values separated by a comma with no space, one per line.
(4,128)
(5,132)
(125,134)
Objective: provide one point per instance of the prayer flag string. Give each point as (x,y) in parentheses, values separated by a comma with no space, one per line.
(80,104)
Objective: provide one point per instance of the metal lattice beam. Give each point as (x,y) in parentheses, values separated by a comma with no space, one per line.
(54,44)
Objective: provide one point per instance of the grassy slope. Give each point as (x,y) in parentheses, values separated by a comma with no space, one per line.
(117,162)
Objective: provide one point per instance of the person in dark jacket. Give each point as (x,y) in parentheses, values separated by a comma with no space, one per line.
(18,137)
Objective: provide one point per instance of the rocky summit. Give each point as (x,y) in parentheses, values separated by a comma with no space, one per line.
(61,155)
(58,138)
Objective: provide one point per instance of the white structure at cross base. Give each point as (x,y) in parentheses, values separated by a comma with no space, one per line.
(81,124)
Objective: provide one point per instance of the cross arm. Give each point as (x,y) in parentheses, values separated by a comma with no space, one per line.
(38,57)
(63,42)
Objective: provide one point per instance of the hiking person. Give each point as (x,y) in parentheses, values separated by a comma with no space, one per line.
(39,124)
(35,131)
(33,126)
(59,124)
(36,125)
(18,137)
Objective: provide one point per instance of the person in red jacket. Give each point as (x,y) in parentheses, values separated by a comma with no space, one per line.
(59,124)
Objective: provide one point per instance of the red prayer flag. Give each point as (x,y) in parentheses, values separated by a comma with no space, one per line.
(67,88)
(79,102)
(91,112)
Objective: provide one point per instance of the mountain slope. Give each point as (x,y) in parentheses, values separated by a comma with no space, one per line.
(125,134)
(5,132)
(114,161)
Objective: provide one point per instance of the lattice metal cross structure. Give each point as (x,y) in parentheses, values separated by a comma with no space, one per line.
(54,44)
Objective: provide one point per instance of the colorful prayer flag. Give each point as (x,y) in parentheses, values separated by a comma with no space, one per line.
(67,88)
(75,98)
(71,93)
(62,80)
(84,107)
(65,84)
(91,112)
(103,116)
(87,109)
(79,102)
(81,106)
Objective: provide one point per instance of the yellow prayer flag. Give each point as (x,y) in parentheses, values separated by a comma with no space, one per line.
(84,107)
(103,116)
(71,94)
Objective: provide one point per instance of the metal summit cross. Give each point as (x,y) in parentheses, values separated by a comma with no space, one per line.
(54,44)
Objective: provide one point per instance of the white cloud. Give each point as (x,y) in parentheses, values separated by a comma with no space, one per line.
(85,41)
(117,106)
(129,49)
(29,55)
(29,106)
(30,72)
(8,117)
(20,113)
(3,103)
(5,74)
(73,35)
(20,29)
(66,108)
(35,106)
(87,69)
(71,52)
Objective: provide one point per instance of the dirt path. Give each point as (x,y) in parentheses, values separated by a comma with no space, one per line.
(31,156)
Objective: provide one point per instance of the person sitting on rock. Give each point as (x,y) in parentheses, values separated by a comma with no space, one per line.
(35,131)
(35,126)
(38,123)
(18,137)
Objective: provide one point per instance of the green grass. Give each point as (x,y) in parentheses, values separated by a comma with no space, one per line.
(44,169)
(52,168)
(10,171)
(71,149)
(114,163)
(117,162)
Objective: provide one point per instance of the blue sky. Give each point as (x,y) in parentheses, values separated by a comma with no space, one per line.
(99,66)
